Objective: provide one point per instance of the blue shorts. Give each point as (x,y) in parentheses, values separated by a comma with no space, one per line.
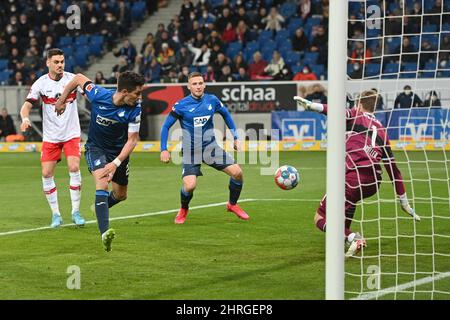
(213,155)
(97,158)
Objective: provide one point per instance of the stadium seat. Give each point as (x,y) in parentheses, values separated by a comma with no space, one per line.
(288,9)
(265,35)
(430,65)
(4,77)
(408,75)
(81,40)
(372,69)
(427,74)
(292,58)
(294,24)
(391,68)
(3,64)
(429,28)
(310,57)
(138,10)
(318,69)
(68,50)
(296,69)
(65,41)
(409,66)
(233,49)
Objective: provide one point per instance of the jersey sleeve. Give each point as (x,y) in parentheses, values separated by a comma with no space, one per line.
(93,92)
(34,93)
(176,111)
(135,121)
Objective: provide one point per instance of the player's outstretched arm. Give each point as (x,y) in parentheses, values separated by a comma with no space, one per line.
(309,105)
(396,177)
(168,123)
(78,81)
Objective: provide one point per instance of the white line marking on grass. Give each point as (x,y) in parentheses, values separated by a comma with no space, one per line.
(400,288)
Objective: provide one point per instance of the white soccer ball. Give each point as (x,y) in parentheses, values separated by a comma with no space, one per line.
(287,177)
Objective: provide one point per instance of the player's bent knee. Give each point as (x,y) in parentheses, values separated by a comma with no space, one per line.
(121,196)
(74,168)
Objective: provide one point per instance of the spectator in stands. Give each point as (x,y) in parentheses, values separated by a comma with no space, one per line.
(305,75)
(149,39)
(319,43)
(201,56)
(243,16)
(183,76)
(17,80)
(300,41)
(302,91)
(229,34)
(304,9)
(432,100)
(31,60)
(380,106)
(121,66)
(128,51)
(152,72)
(144,60)
(186,9)
(406,49)
(164,38)
(214,38)
(49,43)
(109,30)
(222,22)
(3,48)
(166,66)
(99,78)
(317,94)
(225,5)
(203,5)
(238,63)
(284,75)
(361,55)
(225,74)
(206,17)
(166,52)
(242,33)
(242,75)
(199,40)
(209,75)
(357,72)
(123,19)
(275,66)
(32,77)
(256,69)
(171,77)
(274,21)
(183,57)
(259,22)
(7,126)
(218,65)
(427,54)
(407,99)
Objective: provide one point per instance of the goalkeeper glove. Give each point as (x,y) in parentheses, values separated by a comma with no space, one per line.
(404,203)
(308,105)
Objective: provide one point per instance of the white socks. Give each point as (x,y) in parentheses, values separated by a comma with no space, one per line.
(75,190)
(51,194)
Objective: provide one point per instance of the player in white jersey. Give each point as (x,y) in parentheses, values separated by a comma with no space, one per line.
(60,133)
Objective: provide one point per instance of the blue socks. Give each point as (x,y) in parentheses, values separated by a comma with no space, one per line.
(185,198)
(235,190)
(102,210)
(112,200)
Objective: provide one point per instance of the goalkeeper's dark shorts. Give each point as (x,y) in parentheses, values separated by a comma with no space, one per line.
(357,187)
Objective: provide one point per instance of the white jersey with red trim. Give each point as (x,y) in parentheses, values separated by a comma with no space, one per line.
(56,128)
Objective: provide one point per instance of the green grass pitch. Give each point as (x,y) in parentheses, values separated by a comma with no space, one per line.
(277,254)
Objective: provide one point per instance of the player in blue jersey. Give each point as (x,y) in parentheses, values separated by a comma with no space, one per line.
(195,113)
(113,134)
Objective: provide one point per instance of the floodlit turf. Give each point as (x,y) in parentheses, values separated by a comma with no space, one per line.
(277,254)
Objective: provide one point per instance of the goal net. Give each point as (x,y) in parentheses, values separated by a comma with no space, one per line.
(401,48)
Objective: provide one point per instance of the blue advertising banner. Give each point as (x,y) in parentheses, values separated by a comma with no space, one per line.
(424,124)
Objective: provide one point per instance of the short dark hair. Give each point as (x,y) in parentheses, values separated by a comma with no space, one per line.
(129,80)
(54,52)
(368,99)
(194,74)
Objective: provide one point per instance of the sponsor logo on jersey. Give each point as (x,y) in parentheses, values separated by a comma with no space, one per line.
(210,107)
(201,121)
(121,114)
(104,121)
(89,87)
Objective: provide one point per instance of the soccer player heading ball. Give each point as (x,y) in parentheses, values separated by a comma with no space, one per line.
(367,145)
(113,135)
(195,113)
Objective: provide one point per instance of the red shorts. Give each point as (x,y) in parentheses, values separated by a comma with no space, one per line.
(52,151)
(357,187)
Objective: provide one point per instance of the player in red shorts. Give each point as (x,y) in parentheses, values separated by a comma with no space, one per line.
(61,133)
(367,145)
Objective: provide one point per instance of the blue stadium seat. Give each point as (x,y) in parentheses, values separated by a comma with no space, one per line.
(389,76)
(138,10)
(265,35)
(444,74)
(68,51)
(292,58)
(288,9)
(268,45)
(391,68)
(429,28)
(4,77)
(82,56)
(233,49)
(415,41)
(318,69)
(65,41)
(252,45)
(372,69)
(97,39)
(430,65)
(409,66)
(408,75)
(81,40)
(427,74)
(374,33)
(285,48)
(3,64)
(267,54)
(296,69)
(294,24)
(310,57)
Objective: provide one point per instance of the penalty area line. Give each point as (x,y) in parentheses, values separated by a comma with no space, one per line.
(211,205)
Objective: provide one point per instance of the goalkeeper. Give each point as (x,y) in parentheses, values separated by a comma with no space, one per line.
(367,145)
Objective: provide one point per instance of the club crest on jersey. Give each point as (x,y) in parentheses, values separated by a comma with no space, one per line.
(201,121)
(89,87)
(104,121)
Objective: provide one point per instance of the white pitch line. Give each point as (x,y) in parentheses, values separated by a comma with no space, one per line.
(400,288)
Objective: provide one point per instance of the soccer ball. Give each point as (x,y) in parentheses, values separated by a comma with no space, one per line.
(287,177)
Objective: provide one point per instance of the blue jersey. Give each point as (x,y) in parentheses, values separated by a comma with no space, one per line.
(110,124)
(196,119)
